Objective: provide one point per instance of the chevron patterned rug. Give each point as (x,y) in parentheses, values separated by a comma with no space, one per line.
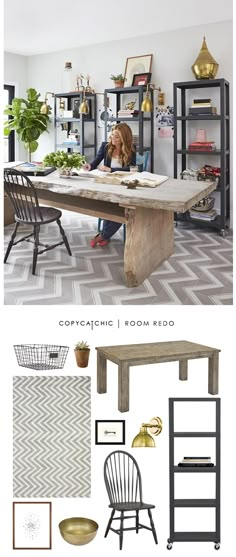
(198,273)
(51,436)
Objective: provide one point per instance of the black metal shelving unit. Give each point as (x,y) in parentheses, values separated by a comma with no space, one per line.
(181,121)
(85,147)
(141,119)
(173,470)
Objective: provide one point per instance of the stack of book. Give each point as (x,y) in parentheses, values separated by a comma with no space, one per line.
(202,106)
(202,146)
(189,461)
(126,113)
(200,215)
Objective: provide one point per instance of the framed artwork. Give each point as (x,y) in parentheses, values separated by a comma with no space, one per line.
(109,432)
(141,78)
(137,65)
(32,525)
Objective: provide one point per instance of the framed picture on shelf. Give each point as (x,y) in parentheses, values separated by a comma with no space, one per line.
(137,65)
(109,432)
(141,78)
(32,525)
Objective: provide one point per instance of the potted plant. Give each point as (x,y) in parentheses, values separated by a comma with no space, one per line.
(119,80)
(64,161)
(26,119)
(82,352)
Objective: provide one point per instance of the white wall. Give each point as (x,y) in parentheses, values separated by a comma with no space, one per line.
(173,54)
(15,73)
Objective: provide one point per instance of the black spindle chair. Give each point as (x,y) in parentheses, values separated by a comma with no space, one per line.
(24,200)
(124,487)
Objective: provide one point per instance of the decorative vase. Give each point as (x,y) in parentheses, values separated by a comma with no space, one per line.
(205,66)
(65,172)
(82,357)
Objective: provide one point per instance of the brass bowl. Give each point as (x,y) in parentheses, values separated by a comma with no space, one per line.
(78,530)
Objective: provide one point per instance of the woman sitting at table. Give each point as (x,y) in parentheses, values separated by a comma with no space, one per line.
(117,154)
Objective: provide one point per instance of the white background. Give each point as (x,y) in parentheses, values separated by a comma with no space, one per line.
(150,388)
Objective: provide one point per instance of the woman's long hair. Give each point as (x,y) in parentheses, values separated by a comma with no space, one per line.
(126,146)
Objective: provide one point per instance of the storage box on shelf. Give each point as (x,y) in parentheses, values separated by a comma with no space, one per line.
(186,114)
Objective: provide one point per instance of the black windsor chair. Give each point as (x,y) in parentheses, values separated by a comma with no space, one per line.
(24,200)
(124,487)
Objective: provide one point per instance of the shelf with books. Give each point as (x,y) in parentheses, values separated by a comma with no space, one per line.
(142,124)
(182,129)
(68,120)
(192,412)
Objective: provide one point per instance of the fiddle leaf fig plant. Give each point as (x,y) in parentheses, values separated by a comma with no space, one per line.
(26,119)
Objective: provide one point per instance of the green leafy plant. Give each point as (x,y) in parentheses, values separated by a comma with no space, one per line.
(26,119)
(62,159)
(118,77)
(82,346)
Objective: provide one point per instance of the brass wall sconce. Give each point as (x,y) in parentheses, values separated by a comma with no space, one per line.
(84,107)
(147,105)
(45,107)
(144,437)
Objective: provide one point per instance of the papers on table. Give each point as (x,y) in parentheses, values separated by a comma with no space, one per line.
(91,173)
(132,180)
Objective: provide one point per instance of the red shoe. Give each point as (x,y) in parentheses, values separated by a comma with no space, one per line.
(103,243)
(94,241)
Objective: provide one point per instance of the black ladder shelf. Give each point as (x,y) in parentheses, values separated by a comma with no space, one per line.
(176,536)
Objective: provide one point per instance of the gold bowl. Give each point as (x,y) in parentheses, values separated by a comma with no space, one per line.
(78,530)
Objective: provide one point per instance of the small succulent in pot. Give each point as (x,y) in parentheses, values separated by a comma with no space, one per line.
(119,80)
(82,351)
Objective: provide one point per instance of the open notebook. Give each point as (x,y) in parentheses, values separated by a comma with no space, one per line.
(132,180)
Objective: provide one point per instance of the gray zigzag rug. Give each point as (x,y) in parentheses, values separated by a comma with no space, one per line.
(51,436)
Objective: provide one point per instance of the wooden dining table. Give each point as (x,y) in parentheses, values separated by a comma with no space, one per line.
(147,212)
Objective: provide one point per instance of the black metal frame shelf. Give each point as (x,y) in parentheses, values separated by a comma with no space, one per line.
(140,119)
(174,469)
(82,121)
(221,223)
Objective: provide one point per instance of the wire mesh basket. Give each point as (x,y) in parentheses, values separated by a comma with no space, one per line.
(41,356)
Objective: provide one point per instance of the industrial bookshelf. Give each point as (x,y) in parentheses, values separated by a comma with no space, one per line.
(144,121)
(182,155)
(85,123)
(177,536)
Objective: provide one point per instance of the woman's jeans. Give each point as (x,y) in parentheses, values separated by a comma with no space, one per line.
(109,228)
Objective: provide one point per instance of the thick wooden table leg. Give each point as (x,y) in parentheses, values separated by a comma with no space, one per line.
(183,370)
(213,374)
(123,387)
(149,241)
(101,373)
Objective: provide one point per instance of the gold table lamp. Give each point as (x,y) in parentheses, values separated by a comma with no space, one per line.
(205,66)
(45,107)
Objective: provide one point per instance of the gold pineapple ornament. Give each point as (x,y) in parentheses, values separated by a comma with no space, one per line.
(205,66)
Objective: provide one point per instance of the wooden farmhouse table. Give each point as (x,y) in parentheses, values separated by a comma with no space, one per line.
(147,212)
(141,354)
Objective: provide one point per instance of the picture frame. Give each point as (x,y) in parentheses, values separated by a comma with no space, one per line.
(109,432)
(137,65)
(141,78)
(32,525)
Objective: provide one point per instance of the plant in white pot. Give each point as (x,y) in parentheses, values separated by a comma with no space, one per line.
(64,161)
(82,352)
